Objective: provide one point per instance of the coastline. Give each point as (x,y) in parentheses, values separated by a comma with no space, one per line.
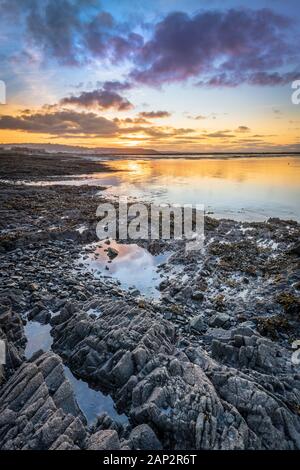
(190,369)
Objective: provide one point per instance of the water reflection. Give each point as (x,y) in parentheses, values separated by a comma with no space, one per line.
(91,402)
(134,267)
(241,188)
(38,337)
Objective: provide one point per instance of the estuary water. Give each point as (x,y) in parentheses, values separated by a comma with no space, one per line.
(245,188)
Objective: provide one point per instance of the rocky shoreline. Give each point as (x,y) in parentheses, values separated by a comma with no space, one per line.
(206,365)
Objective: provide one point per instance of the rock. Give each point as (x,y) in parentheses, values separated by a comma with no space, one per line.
(218,333)
(123,370)
(220,320)
(112,252)
(104,440)
(142,437)
(41,316)
(198,295)
(295,250)
(38,409)
(120,333)
(12,333)
(168,315)
(185,293)
(135,292)
(198,323)
(163,285)
(251,351)
(189,398)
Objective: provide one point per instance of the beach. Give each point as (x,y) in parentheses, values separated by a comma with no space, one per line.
(195,354)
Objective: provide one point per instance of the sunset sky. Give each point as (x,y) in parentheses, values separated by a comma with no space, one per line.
(196,75)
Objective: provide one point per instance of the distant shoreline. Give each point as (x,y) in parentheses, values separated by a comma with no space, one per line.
(185,156)
(30,149)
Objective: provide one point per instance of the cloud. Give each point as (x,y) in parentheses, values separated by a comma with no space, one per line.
(233,79)
(275,78)
(220,134)
(65,123)
(136,120)
(103,37)
(115,85)
(60,123)
(163,132)
(243,129)
(154,132)
(155,114)
(72,31)
(53,27)
(12,9)
(199,117)
(109,85)
(99,98)
(216,46)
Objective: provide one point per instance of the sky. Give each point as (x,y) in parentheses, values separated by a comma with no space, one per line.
(171,75)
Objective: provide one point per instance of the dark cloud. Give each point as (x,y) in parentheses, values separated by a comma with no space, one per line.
(155,114)
(72,31)
(66,123)
(115,85)
(233,79)
(62,123)
(220,134)
(109,85)
(216,48)
(156,132)
(14,9)
(217,45)
(100,98)
(124,48)
(54,26)
(275,78)
(137,120)
(104,37)
(161,132)
(243,129)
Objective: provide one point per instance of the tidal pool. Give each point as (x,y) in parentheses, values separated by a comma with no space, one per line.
(91,402)
(134,267)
